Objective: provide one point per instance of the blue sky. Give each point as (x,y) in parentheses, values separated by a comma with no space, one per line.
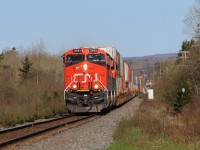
(134,27)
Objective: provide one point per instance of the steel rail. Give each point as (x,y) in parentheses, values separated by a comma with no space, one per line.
(33,124)
(39,131)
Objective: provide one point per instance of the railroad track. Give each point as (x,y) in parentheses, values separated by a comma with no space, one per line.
(16,134)
(12,135)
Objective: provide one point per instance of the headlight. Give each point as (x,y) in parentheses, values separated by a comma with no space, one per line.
(96,86)
(74,86)
(85,67)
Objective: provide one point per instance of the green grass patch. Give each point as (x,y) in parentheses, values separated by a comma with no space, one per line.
(153,128)
(136,139)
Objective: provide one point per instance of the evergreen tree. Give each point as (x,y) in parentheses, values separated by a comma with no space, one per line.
(25,70)
(186,46)
(183,94)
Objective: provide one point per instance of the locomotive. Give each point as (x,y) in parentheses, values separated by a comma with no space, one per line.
(95,78)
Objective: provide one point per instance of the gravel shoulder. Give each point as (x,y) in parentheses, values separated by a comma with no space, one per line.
(94,135)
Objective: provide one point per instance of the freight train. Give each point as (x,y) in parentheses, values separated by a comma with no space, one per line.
(95,78)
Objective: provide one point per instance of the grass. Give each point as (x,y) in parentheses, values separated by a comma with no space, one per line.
(154,128)
(135,139)
(28,110)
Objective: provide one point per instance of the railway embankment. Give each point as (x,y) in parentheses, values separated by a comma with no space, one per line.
(154,127)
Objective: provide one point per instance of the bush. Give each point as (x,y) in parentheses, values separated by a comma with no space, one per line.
(170,89)
(181,94)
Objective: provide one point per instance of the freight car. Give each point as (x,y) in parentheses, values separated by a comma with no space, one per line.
(95,78)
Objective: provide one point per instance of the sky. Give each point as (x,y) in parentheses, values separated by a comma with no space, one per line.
(134,27)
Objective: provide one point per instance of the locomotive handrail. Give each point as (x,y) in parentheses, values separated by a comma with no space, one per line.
(104,87)
(66,89)
(69,84)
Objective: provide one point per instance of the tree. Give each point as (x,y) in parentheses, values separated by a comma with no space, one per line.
(192,20)
(182,94)
(186,47)
(194,68)
(26,68)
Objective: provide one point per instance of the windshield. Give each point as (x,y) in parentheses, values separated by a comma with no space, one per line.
(77,57)
(95,57)
(74,59)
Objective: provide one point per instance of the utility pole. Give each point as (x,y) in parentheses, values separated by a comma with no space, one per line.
(184,56)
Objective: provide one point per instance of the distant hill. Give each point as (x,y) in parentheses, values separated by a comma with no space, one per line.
(145,63)
(153,58)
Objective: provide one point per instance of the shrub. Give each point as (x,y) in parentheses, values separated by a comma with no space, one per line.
(181,94)
(170,89)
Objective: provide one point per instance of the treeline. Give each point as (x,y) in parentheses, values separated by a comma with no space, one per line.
(31,85)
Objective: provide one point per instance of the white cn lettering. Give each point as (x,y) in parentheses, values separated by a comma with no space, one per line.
(85,78)
(80,74)
(76,75)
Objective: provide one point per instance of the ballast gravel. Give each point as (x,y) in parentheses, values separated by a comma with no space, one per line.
(94,135)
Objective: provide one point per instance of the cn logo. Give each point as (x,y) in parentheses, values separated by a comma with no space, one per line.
(86,76)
